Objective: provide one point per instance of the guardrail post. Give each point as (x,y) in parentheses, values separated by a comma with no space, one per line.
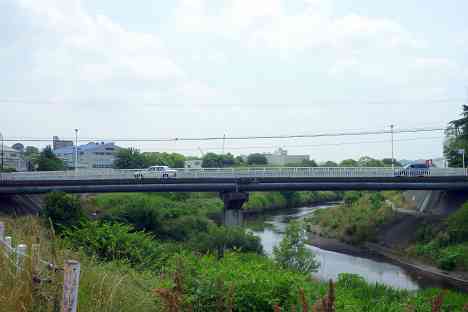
(71,281)
(21,250)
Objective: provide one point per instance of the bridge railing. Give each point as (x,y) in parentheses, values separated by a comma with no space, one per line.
(255,172)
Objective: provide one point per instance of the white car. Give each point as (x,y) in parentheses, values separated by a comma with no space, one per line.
(156,172)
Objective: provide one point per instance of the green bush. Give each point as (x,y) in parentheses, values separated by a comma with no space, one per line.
(457,224)
(63,210)
(220,238)
(110,242)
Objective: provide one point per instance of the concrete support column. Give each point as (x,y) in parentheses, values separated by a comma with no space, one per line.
(233,202)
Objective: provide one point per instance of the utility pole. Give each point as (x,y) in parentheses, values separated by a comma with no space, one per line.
(76,150)
(393,157)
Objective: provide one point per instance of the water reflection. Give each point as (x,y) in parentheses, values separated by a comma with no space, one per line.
(270,228)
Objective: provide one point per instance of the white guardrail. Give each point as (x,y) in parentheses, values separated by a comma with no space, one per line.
(279,172)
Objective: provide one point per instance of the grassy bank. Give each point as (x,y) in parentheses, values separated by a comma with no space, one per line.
(116,277)
(357,220)
(444,244)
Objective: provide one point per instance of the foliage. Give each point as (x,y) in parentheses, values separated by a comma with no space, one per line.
(129,158)
(213,160)
(31,151)
(457,138)
(63,210)
(349,163)
(167,216)
(47,161)
(257,159)
(357,220)
(330,164)
(173,160)
(220,238)
(292,252)
(457,225)
(245,281)
(114,241)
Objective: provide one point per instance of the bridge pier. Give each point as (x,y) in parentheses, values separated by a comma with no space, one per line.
(233,201)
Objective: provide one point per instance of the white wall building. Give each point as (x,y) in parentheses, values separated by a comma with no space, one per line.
(93,155)
(280,157)
(12,159)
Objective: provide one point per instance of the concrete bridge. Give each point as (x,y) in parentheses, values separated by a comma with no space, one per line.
(234,184)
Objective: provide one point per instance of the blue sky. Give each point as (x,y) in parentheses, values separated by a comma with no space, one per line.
(206,68)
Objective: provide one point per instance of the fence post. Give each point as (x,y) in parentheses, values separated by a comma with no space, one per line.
(8,245)
(71,280)
(21,250)
(35,253)
(2,230)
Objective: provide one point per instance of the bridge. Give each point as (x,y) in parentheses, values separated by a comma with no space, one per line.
(234,184)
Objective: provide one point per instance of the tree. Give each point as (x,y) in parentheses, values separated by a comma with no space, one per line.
(129,158)
(367,161)
(349,163)
(212,160)
(173,160)
(47,161)
(257,159)
(457,139)
(30,152)
(387,162)
(63,210)
(292,252)
(330,164)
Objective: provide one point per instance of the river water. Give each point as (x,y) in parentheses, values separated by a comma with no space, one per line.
(270,228)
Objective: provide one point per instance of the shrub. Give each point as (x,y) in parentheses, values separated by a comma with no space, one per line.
(292,252)
(220,238)
(115,241)
(64,210)
(457,224)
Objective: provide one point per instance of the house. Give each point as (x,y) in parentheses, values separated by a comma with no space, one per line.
(11,158)
(93,155)
(280,157)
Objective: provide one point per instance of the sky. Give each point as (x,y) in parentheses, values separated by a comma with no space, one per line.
(204,68)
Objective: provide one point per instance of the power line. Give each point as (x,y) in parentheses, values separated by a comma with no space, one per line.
(217,138)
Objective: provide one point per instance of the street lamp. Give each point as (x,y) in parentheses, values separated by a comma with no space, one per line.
(76,150)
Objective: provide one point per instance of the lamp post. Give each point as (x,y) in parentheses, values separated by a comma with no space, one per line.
(76,150)
(393,157)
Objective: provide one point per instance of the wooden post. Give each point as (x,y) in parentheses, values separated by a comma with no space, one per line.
(71,280)
(21,250)
(35,253)
(2,230)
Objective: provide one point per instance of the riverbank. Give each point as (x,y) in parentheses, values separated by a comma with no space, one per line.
(454,280)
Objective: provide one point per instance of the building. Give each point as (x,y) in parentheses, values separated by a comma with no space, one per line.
(12,159)
(93,155)
(280,157)
(193,164)
(58,144)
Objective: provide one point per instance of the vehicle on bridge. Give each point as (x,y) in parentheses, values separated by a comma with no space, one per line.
(414,170)
(161,172)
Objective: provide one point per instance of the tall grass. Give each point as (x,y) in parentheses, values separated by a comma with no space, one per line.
(103,286)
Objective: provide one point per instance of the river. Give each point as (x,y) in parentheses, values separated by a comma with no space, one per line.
(270,228)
